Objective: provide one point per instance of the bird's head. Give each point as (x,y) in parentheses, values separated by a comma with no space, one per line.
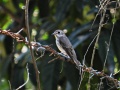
(58,33)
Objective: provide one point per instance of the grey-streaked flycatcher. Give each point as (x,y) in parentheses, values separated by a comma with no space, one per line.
(65,46)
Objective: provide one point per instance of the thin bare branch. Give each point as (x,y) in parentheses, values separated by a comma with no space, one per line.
(108,45)
(29,42)
(103,6)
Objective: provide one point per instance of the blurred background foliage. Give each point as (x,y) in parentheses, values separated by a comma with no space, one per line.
(45,16)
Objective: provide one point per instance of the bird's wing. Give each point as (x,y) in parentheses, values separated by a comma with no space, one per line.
(67,46)
(64,41)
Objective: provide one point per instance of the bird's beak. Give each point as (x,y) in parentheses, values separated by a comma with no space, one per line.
(53,33)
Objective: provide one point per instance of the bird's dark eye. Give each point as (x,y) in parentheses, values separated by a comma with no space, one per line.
(58,32)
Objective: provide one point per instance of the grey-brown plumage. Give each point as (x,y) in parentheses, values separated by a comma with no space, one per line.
(65,46)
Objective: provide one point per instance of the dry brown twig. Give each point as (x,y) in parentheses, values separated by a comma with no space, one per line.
(38,47)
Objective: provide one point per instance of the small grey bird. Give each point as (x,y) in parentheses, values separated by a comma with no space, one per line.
(65,46)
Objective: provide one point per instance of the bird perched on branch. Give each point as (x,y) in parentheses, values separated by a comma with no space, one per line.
(65,46)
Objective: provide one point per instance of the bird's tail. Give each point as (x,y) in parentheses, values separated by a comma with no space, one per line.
(78,65)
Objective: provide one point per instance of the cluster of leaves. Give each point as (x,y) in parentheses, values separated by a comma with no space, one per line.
(45,16)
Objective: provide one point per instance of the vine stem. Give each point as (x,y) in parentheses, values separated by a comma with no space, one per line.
(29,41)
